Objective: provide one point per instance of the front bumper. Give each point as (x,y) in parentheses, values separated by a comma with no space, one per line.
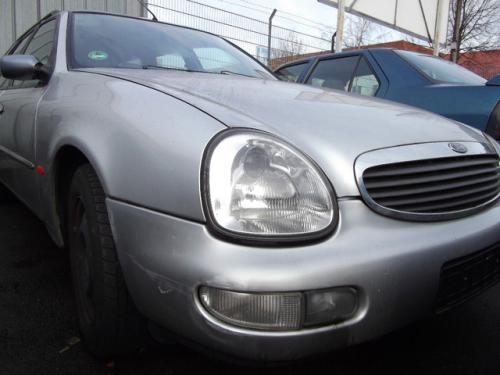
(395,265)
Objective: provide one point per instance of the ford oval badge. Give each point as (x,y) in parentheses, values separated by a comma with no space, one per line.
(458,147)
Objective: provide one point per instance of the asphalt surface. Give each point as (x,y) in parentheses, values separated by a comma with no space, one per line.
(37,321)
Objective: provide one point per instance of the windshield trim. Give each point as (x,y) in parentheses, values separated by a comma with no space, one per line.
(69,37)
(426,76)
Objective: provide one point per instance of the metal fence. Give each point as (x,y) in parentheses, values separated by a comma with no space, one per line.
(251,34)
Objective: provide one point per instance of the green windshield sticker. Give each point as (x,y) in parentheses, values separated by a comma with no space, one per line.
(97,55)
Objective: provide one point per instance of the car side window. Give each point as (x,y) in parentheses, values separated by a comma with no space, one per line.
(40,46)
(42,43)
(334,73)
(3,82)
(21,45)
(364,81)
(291,73)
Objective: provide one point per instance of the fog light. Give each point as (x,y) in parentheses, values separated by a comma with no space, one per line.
(330,306)
(272,311)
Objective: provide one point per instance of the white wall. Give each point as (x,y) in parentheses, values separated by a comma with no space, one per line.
(16,16)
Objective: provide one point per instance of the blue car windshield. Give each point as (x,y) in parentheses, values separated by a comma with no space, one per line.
(441,70)
(106,41)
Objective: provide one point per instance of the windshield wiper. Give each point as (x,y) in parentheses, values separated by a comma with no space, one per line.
(230,72)
(172,68)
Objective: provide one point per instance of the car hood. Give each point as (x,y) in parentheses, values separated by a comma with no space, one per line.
(330,126)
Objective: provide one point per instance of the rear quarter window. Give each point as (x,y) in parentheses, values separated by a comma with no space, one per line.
(291,73)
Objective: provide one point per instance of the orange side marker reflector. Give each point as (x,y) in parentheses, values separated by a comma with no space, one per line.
(40,170)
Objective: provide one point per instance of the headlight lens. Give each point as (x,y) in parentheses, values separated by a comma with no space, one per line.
(495,144)
(493,127)
(257,185)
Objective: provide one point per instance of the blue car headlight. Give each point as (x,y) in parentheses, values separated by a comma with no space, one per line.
(493,127)
(493,142)
(258,186)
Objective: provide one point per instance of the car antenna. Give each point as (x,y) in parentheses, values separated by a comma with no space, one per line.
(149,10)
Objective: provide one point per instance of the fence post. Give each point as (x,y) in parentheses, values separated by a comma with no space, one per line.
(437,28)
(340,25)
(455,51)
(269,33)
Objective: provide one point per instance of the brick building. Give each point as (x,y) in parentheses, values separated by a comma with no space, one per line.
(484,63)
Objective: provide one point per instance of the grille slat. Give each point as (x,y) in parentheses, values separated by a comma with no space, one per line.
(440,185)
(437,196)
(441,176)
(456,204)
(427,188)
(414,168)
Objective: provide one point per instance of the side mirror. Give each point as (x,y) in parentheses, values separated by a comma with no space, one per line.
(22,68)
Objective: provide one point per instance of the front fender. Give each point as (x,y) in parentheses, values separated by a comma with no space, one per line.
(146,147)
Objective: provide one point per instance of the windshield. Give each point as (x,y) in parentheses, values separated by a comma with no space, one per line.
(441,70)
(105,41)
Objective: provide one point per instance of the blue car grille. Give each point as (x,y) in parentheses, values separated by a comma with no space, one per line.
(435,186)
(464,278)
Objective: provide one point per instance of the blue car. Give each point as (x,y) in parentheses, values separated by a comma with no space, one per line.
(407,77)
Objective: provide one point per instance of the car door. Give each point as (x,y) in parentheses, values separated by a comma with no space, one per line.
(8,160)
(292,72)
(351,73)
(19,101)
(364,81)
(334,72)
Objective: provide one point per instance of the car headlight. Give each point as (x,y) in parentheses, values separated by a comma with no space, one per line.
(493,126)
(258,186)
(493,142)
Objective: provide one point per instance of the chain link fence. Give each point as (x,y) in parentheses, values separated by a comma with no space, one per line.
(251,34)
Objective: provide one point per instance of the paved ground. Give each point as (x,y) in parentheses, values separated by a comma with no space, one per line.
(37,318)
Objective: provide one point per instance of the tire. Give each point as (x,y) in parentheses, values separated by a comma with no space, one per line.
(5,195)
(109,322)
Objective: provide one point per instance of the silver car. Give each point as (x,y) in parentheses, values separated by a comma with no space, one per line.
(199,196)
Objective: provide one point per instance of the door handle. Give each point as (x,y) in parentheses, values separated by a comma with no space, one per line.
(1,108)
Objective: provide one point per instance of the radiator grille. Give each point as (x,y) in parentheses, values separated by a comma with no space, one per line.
(434,186)
(466,277)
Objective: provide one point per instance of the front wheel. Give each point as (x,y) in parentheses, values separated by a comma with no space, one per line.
(5,195)
(109,322)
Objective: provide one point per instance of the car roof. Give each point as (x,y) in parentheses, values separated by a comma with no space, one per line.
(332,54)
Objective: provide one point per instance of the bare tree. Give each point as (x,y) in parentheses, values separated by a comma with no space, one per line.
(357,32)
(478,26)
(289,46)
